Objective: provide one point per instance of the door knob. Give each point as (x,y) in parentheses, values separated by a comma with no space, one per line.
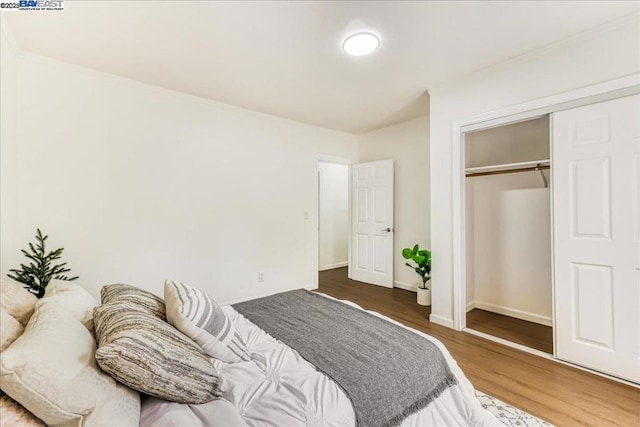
(388,230)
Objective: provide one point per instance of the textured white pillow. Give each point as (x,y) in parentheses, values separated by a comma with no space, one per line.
(200,318)
(16,300)
(10,329)
(74,298)
(51,370)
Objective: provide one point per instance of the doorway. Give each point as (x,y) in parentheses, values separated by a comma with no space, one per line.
(365,192)
(333,216)
(508,233)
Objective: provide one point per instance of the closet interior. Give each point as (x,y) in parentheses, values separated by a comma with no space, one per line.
(508,233)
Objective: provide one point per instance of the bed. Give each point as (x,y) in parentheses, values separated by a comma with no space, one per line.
(280,388)
(268,383)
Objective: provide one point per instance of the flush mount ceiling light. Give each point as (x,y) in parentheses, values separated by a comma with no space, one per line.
(360,44)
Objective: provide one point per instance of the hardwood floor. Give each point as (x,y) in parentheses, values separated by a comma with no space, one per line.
(560,394)
(529,334)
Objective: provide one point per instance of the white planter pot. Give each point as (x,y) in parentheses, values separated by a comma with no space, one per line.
(424,296)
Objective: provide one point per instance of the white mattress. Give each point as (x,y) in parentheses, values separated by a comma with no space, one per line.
(279,388)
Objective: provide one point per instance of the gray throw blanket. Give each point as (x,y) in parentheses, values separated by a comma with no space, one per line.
(387,371)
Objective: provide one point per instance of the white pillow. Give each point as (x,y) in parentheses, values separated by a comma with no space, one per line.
(74,298)
(16,300)
(200,318)
(51,370)
(10,329)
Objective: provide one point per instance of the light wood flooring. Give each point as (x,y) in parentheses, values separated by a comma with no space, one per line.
(529,334)
(557,393)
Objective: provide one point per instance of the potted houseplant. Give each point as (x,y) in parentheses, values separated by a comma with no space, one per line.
(422,260)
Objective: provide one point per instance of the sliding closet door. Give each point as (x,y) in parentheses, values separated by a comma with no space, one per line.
(596,234)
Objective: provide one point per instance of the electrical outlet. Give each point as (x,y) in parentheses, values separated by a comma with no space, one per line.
(305,215)
(260,277)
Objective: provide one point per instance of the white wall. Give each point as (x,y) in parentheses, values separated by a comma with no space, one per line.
(408,145)
(333,215)
(8,100)
(140,184)
(597,56)
(511,255)
(470,244)
(514,143)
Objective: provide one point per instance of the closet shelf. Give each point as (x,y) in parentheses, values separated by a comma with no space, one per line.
(510,167)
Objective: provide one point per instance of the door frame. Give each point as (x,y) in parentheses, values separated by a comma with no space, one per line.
(315,220)
(617,88)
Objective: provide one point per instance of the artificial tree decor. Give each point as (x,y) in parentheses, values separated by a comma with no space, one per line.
(422,258)
(37,275)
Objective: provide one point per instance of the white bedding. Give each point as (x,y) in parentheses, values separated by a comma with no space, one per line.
(279,388)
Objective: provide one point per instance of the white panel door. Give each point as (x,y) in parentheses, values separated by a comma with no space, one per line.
(596,236)
(372,223)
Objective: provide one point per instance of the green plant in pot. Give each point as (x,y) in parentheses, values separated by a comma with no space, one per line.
(422,261)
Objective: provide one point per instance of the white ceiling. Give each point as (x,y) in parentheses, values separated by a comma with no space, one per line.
(285,58)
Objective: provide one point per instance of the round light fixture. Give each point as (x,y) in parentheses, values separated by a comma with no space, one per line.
(360,44)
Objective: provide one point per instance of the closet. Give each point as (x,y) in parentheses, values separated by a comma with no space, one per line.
(508,233)
(552,233)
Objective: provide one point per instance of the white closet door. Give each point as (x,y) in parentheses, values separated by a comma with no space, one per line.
(596,234)
(372,230)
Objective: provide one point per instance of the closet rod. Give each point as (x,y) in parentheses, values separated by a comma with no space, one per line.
(503,171)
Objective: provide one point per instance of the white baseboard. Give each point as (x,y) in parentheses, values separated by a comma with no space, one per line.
(332,266)
(511,312)
(405,286)
(470,306)
(439,320)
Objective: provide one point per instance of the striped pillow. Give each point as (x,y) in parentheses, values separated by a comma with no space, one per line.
(149,355)
(200,318)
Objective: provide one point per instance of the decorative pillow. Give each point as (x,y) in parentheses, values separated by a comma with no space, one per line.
(139,298)
(52,372)
(17,301)
(74,298)
(14,414)
(10,329)
(201,319)
(149,355)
